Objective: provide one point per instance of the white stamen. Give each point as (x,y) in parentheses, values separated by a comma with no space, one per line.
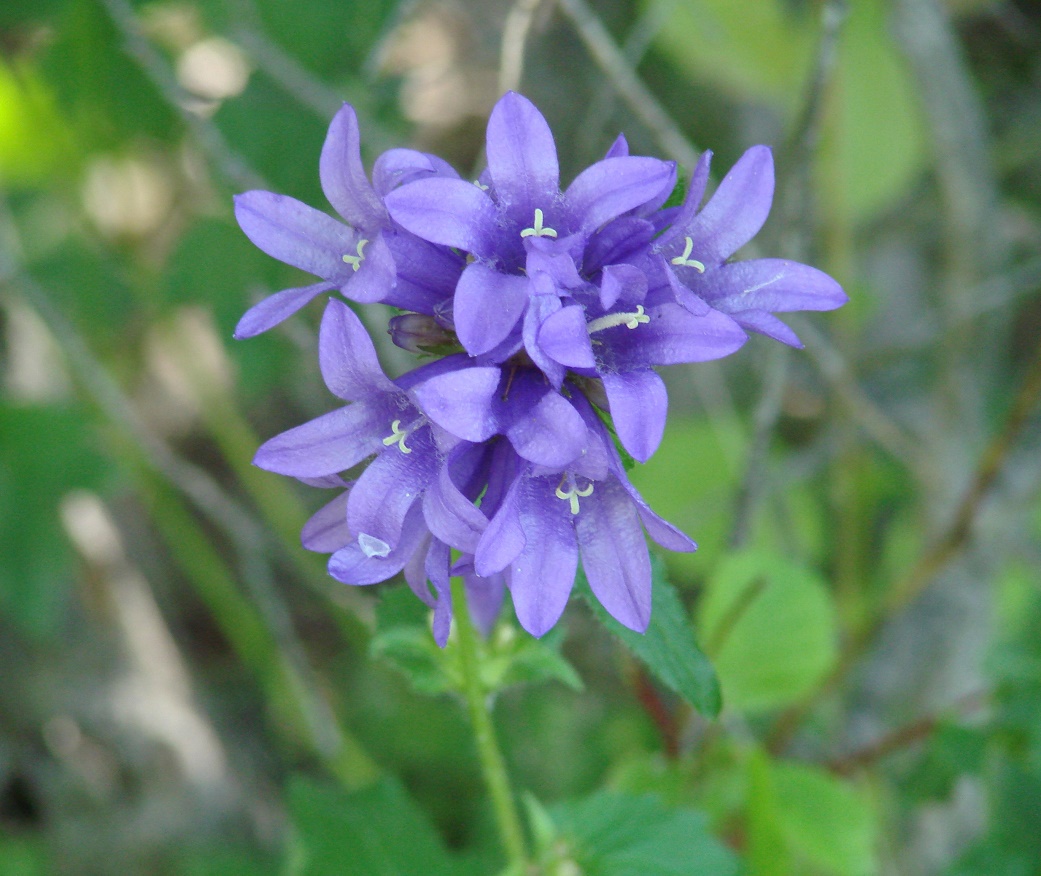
(572,495)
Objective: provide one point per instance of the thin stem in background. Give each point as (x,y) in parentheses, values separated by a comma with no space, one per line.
(155,67)
(796,224)
(936,557)
(639,40)
(515,32)
(492,764)
(643,104)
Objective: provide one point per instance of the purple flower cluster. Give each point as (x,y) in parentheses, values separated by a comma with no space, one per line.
(543,314)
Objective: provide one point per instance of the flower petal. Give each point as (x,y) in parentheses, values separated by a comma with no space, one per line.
(347,356)
(522,157)
(541,576)
(327,531)
(614,186)
(352,565)
(735,213)
(447,211)
(504,538)
(674,336)
(461,401)
(376,275)
(487,307)
(541,424)
(776,285)
(343,175)
(540,308)
(396,167)
(565,338)
(276,308)
(639,403)
(764,323)
(333,442)
(389,487)
(614,554)
(695,192)
(451,516)
(296,234)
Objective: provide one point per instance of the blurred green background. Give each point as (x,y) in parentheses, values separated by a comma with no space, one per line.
(184,691)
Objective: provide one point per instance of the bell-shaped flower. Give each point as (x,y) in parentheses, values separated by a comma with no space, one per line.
(695,249)
(368,259)
(542,524)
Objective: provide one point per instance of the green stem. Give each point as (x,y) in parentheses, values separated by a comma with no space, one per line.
(492,764)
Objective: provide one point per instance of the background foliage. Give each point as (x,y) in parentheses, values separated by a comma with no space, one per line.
(184,691)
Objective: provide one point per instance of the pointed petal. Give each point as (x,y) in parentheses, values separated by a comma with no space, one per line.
(619,149)
(639,403)
(625,240)
(504,538)
(326,531)
(487,307)
(415,572)
(688,300)
(522,157)
(695,192)
(389,487)
(614,186)
(735,213)
(333,442)
(296,234)
(438,559)
(542,575)
(764,323)
(276,308)
(663,532)
(347,356)
(484,599)
(776,285)
(447,211)
(564,338)
(623,283)
(427,274)
(614,554)
(397,167)
(343,175)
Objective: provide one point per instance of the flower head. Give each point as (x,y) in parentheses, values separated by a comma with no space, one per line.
(542,313)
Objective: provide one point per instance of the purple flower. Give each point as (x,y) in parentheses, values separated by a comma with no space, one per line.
(542,523)
(693,253)
(523,236)
(368,259)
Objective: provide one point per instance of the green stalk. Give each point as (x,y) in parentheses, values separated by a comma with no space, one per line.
(492,764)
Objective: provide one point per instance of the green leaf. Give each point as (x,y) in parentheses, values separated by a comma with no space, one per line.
(825,820)
(668,648)
(770,628)
(375,832)
(507,658)
(610,834)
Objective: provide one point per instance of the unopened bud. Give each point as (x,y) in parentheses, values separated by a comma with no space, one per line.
(419,333)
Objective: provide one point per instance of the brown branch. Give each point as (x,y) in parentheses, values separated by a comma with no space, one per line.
(952,541)
(905,736)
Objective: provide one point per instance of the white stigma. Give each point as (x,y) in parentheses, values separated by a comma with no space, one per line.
(355,260)
(537,230)
(372,546)
(397,436)
(572,495)
(685,259)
